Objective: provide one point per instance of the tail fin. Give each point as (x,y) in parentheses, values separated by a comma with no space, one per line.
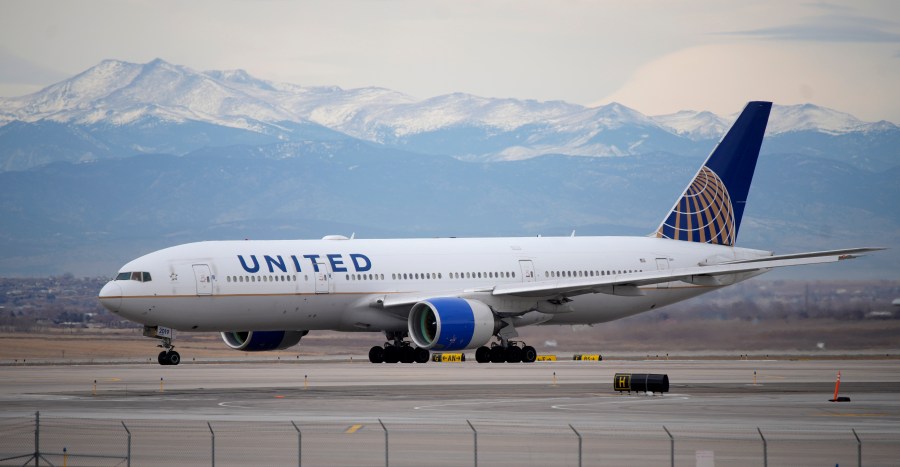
(711,207)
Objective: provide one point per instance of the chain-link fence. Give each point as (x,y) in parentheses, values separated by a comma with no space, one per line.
(43,441)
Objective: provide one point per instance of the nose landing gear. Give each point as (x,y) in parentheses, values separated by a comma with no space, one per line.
(168,356)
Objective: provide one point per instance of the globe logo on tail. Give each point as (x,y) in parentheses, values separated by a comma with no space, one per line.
(703,214)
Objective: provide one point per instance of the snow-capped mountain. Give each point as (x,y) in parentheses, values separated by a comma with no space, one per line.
(117,108)
(277,159)
(784,119)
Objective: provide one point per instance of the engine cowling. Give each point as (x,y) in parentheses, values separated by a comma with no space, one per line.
(261,341)
(451,323)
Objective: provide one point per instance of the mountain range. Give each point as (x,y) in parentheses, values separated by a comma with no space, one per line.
(123,158)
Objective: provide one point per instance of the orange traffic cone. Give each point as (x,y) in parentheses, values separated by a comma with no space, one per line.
(837,386)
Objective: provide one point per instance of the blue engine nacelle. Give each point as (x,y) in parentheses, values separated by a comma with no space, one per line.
(260,341)
(451,323)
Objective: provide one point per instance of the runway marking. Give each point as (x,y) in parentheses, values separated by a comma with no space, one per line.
(609,399)
(231,405)
(353,429)
(620,399)
(852,415)
(497,401)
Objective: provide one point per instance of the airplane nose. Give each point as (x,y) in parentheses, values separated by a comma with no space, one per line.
(111,296)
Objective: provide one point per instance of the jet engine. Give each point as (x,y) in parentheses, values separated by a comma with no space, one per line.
(451,323)
(260,341)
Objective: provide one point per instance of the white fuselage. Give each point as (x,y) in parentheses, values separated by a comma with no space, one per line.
(336,283)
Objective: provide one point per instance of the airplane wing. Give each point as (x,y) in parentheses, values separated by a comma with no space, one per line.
(628,284)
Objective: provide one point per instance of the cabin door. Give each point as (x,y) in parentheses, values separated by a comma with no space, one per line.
(203,278)
(527,268)
(662,264)
(323,277)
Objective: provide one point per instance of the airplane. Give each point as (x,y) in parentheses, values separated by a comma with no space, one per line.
(453,294)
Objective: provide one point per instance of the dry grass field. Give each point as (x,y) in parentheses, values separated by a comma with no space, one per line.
(630,336)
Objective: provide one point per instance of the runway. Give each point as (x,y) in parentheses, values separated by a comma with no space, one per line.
(520,411)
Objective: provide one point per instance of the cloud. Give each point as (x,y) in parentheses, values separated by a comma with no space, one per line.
(839,24)
(723,77)
(822,33)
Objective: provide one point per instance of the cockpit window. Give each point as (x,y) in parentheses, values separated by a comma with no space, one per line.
(139,276)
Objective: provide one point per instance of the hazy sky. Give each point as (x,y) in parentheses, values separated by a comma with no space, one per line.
(657,57)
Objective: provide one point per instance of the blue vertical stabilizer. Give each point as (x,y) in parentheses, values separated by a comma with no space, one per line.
(710,209)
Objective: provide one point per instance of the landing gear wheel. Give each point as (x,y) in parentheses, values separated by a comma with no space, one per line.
(498,354)
(170,357)
(376,354)
(407,354)
(483,355)
(422,355)
(529,354)
(391,354)
(513,354)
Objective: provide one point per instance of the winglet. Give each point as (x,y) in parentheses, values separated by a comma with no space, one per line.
(711,207)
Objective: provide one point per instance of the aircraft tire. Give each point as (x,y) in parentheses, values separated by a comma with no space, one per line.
(498,354)
(407,354)
(483,355)
(529,354)
(422,355)
(173,358)
(161,358)
(376,354)
(391,354)
(513,354)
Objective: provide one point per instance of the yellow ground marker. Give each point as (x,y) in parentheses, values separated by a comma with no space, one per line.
(353,429)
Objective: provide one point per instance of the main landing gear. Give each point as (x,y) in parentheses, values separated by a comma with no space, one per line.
(511,353)
(398,351)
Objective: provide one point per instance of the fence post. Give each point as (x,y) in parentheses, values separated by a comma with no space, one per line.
(386,463)
(37,438)
(672,441)
(213,435)
(858,448)
(129,443)
(765,448)
(299,445)
(475,436)
(579,443)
